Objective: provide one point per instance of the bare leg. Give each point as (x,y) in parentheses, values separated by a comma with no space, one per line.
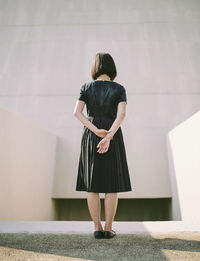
(94,205)
(110,204)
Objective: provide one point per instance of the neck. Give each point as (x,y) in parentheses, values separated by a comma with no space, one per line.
(104,77)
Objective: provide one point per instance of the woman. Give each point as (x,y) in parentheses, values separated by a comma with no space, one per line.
(102,164)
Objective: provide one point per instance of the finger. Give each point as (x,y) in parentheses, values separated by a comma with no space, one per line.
(102,144)
(104,149)
(101,149)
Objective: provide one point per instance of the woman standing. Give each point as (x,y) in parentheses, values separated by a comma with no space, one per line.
(102,164)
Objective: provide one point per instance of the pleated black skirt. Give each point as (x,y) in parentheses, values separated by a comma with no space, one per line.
(107,172)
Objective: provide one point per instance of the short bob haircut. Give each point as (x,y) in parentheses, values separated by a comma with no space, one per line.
(103,64)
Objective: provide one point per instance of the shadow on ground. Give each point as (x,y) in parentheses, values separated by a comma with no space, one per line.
(122,247)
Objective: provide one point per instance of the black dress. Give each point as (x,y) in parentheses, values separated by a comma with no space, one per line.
(102,172)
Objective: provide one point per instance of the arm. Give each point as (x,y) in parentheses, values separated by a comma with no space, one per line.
(121,114)
(80,115)
(104,144)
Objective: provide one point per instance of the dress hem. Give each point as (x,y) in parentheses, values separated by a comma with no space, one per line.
(118,191)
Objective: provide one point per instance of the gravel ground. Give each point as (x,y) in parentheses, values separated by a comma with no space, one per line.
(50,247)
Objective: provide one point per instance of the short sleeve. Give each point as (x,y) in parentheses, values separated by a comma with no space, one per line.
(82,95)
(122,95)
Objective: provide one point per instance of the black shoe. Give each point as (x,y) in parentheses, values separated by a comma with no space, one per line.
(99,234)
(109,234)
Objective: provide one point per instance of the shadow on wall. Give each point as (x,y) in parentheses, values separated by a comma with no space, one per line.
(27,159)
(128,210)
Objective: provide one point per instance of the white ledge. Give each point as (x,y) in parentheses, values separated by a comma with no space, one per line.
(85,227)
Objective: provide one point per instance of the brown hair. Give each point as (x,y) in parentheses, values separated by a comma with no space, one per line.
(103,64)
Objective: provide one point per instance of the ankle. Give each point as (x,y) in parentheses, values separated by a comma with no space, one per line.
(108,228)
(98,227)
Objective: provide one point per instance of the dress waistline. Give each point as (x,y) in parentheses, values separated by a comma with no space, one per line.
(100,117)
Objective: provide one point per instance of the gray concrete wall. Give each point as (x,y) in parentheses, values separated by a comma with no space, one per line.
(46,51)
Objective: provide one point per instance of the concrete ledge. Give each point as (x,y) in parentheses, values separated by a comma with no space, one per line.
(85,227)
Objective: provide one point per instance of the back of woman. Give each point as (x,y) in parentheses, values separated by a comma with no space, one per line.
(103,164)
(102,97)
